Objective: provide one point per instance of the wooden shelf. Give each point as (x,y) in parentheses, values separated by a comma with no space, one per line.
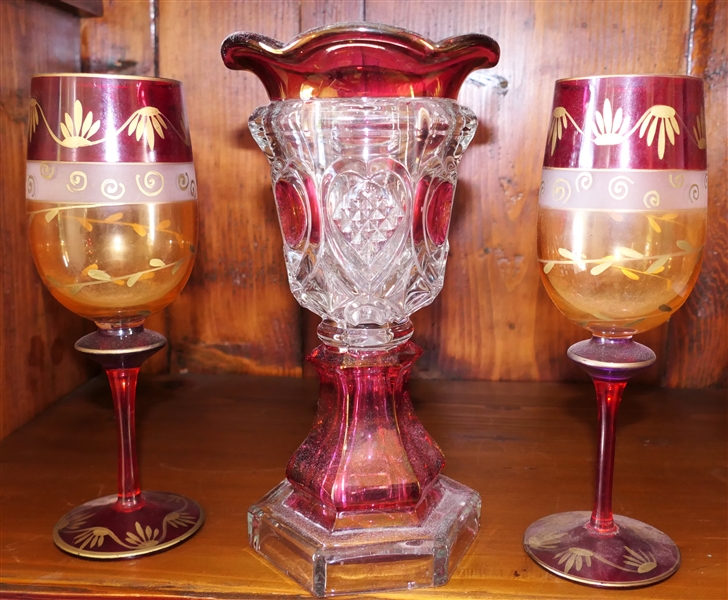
(224,441)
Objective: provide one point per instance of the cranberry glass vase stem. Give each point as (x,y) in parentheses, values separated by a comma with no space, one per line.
(609,395)
(123,389)
(367,449)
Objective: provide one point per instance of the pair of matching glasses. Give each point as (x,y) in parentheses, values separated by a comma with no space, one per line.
(112,205)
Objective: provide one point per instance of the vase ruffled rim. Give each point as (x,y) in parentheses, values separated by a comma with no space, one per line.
(352,54)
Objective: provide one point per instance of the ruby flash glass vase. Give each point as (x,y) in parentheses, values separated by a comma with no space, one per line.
(111,196)
(621,230)
(364,137)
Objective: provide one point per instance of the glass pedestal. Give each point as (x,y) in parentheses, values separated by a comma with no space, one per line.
(635,554)
(157,521)
(132,522)
(331,553)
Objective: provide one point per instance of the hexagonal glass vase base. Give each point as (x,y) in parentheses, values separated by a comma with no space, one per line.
(331,553)
(636,555)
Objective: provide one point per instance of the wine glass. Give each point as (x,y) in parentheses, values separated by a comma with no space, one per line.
(112,206)
(621,230)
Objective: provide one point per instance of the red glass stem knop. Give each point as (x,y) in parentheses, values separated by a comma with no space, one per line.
(123,389)
(367,449)
(609,396)
(610,362)
(121,349)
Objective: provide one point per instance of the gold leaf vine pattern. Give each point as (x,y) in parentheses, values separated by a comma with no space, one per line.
(623,257)
(612,128)
(141,537)
(635,561)
(99,276)
(92,271)
(77,130)
(52,213)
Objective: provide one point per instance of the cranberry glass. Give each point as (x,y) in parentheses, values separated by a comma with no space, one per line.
(621,230)
(112,217)
(364,138)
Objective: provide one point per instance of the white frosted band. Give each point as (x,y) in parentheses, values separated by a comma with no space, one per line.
(623,189)
(110,183)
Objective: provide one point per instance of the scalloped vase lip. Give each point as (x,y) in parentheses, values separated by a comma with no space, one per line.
(350,60)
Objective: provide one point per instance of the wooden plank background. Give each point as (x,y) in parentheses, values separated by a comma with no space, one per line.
(37,360)
(493,319)
(698,334)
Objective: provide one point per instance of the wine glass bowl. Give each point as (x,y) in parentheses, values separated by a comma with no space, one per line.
(621,231)
(111,196)
(113,263)
(619,273)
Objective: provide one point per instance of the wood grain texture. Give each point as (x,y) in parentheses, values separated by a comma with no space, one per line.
(224,440)
(316,13)
(236,313)
(493,319)
(122,41)
(37,361)
(698,338)
(81,8)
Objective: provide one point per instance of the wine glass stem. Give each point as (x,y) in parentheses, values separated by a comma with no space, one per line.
(609,395)
(123,389)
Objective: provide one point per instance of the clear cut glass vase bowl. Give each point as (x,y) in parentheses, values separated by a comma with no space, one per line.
(364,191)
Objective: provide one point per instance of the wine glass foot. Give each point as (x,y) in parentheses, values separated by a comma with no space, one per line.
(636,555)
(105,529)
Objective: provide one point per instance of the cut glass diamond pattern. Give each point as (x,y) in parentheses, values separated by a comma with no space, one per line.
(367,216)
(378,178)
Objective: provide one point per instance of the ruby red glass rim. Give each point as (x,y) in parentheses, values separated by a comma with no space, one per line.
(109,76)
(629,76)
(360,59)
